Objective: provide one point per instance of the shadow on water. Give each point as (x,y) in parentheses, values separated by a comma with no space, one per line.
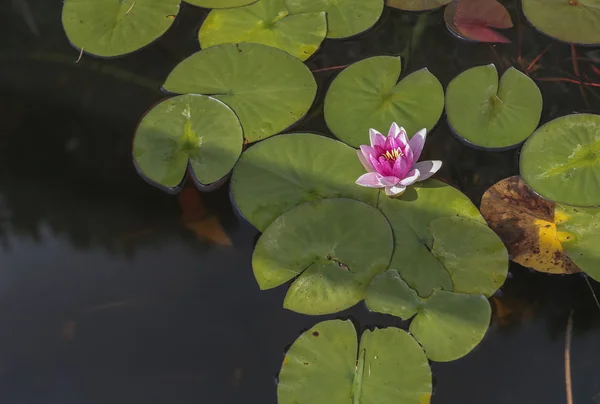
(106,296)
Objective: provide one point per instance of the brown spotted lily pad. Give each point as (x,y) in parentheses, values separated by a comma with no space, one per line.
(525,223)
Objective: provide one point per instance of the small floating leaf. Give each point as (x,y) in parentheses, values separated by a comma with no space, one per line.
(561,160)
(266,22)
(334,247)
(525,223)
(579,233)
(417,5)
(491,115)
(109,28)
(287,170)
(321,367)
(188,130)
(448,325)
(220,3)
(474,20)
(574,21)
(344,17)
(268,89)
(368,95)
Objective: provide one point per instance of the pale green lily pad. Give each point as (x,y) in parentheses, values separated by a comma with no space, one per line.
(491,115)
(266,22)
(344,17)
(109,28)
(561,160)
(579,233)
(417,5)
(321,367)
(188,130)
(220,3)
(287,170)
(368,95)
(474,256)
(268,89)
(334,247)
(448,325)
(575,21)
(410,215)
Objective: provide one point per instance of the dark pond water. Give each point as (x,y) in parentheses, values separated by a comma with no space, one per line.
(107,296)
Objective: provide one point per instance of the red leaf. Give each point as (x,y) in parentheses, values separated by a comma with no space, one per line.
(475,18)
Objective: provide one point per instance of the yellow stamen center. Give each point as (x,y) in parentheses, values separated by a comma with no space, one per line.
(393,154)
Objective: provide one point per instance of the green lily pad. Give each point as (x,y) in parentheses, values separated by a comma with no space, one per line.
(344,17)
(448,325)
(321,367)
(561,160)
(193,131)
(287,170)
(574,21)
(109,28)
(268,89)
(579,234)
(368,95)
(220,3)
(491,115)
(334,247)
(410,215)
(266,22)
(474,256)
(417,5)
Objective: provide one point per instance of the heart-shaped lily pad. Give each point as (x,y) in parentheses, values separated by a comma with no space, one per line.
(491,115)
(417,5)
(189,130)
(448,325)
(561,160)
(525,223)
(109,28)
(410,215)
(268,89)
(334,247)
(344,17)
(573,21)
(368,95)
(321,367)
(579,233)
(474,20)
(267,22)
(220,3)
(287,170)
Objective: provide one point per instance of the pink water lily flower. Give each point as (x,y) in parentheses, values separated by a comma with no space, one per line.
(392,162)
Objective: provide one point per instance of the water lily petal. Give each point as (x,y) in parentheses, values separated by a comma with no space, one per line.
(398,132)
(428,168)
(417,142)
(371,180)
(396,190)
(389,181)
(411,178)
(402,166)
(363,156)
(377,139)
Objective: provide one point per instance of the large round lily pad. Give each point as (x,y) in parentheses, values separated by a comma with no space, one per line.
(287,170)
(267,22)
(321,367)
(220,3)
(188,130)
(410,215)
(268,89)
(448,325)
(573,21)
(491,115)
(110,28)
(344,17)
(368,95)
(579,233)
(417,5)
(525,223)
(334,247)
(561,160)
